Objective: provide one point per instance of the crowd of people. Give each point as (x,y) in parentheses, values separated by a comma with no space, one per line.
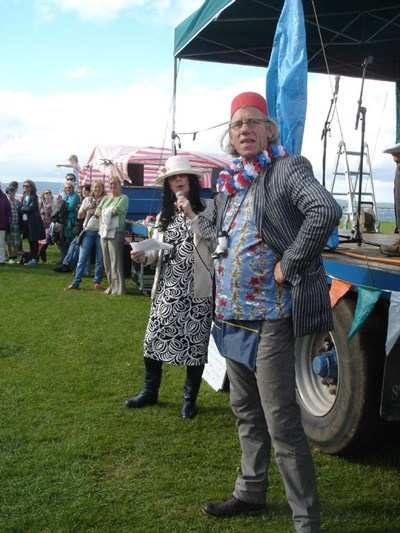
(84,222)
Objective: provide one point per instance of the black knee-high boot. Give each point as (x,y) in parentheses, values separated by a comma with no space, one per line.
(42,255)
(191,390)
(152,382)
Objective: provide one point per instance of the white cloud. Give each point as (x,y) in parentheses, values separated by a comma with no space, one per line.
(38,132)
(99,10)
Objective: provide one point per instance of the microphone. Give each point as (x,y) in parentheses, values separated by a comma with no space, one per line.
(367,61)
(337,78)
(178,195)
(222,245)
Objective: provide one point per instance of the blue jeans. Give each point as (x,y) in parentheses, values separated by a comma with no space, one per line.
(90,239)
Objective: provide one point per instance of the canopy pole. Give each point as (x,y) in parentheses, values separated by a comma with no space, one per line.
(397,112)
(173,132)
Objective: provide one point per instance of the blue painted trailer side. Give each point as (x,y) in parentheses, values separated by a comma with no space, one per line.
(366,276)
(145,201)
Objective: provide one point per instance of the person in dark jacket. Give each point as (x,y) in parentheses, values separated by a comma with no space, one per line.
(5,212)
(393,250)
(32,223)
(273,220)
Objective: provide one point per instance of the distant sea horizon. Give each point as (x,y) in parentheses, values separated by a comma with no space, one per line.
(385,209)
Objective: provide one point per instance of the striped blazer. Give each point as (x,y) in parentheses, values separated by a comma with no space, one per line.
(295,215)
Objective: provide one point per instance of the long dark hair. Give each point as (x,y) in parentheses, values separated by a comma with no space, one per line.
(168,208)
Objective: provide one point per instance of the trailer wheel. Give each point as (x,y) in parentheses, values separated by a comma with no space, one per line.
(341,415)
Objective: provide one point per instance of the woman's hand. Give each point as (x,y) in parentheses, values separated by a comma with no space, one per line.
(183,204)
(138,257)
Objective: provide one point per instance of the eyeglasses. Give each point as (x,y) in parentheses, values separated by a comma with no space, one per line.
(25,186)
(47,192)
(252,123)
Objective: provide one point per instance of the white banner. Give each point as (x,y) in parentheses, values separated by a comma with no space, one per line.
(215,370)
(393,322)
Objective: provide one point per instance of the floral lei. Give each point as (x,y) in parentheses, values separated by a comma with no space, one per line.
(238,176)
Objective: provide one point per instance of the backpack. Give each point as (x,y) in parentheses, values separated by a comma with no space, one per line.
(59,213)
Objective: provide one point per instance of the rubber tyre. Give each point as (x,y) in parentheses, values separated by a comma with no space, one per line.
(347,421)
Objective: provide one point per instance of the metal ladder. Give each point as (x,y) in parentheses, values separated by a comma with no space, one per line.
(351,184)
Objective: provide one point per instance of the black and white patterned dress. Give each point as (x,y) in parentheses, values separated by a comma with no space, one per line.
(179,324)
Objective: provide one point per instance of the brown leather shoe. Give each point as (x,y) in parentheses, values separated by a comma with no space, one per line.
(392,251)
(233,507)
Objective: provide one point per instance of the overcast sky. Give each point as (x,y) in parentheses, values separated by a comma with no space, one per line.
(77,73)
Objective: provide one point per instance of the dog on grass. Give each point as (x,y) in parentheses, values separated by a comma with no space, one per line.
(25,257)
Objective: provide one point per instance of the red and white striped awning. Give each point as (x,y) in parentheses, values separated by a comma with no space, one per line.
(108,160)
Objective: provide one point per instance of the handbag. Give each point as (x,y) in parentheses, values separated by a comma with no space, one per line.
(79,238)
(238,340)
(77,228)
(59,212)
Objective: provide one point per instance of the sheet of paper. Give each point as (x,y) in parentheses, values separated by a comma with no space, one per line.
(150,244)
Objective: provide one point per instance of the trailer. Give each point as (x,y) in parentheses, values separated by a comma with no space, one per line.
(137,168)
(348,381)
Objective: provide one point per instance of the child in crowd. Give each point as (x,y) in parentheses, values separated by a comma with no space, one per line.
(46,206)
(13,234)
(73,164)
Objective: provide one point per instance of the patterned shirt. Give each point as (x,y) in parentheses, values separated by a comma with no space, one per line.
(246,288)
(15,207)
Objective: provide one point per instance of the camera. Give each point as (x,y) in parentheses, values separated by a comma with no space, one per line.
(222,245)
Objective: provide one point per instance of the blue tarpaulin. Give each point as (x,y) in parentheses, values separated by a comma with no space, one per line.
(287,76)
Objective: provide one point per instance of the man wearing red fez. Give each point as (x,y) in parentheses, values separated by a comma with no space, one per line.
(270,221)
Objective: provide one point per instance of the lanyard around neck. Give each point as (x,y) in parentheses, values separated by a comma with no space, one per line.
(236,212)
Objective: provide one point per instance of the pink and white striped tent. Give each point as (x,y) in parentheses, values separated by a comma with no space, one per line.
(108,160)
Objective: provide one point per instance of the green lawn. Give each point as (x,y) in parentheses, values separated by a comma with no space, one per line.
(73,458)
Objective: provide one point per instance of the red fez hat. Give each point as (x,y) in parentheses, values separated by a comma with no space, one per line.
(251,99)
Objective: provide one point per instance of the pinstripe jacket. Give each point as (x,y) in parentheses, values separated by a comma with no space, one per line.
(295,215)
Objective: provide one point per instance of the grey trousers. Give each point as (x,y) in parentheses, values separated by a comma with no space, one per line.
(113,259)
(265,406)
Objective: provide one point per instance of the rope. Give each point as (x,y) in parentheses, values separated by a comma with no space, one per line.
(327,68)
(194,133)
(380,126)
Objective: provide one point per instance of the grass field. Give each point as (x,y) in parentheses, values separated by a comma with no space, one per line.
(74,459)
